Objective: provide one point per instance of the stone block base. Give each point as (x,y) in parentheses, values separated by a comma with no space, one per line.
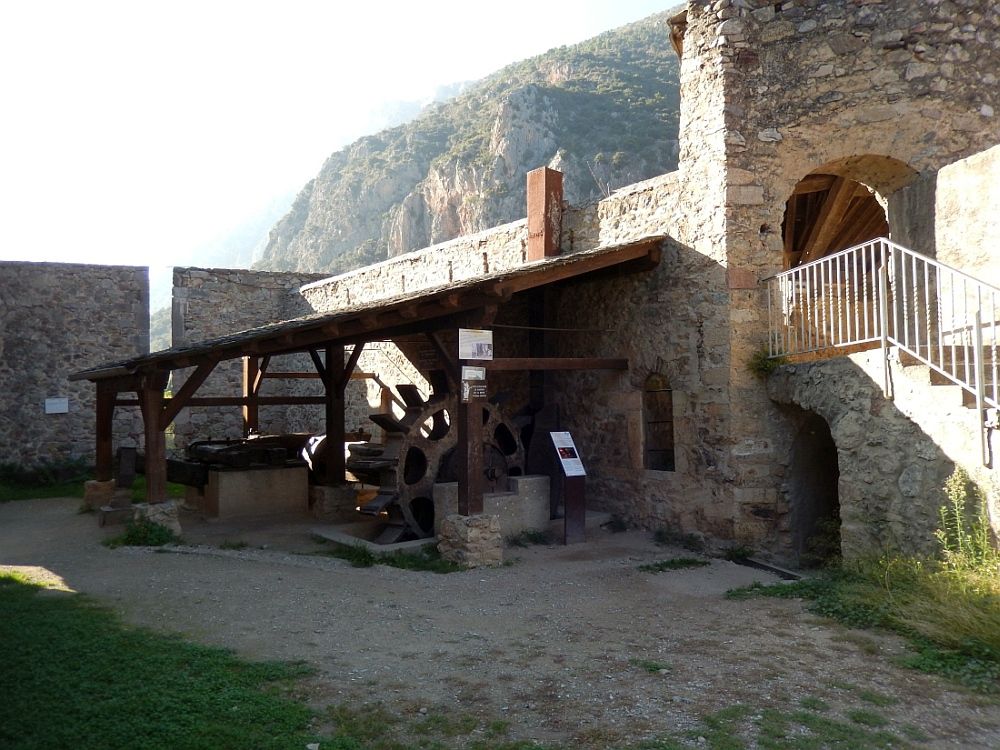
(524,508)
(239,494)
(472,541)
(110,515)
(333,504)
(97,494)
(164,514)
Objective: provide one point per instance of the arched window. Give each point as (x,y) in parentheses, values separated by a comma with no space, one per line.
(658,423)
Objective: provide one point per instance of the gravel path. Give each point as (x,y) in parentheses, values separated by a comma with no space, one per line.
(563,644)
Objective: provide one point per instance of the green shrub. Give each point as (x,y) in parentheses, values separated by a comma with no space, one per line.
(761,363)
(964,535)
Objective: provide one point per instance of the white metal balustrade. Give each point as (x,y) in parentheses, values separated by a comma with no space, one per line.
(880,294)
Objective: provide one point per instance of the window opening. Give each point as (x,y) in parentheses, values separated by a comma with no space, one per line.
(658,415)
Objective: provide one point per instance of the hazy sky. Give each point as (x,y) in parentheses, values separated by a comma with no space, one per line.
(135,132)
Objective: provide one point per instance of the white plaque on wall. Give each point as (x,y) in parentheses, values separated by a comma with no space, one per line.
(57,405)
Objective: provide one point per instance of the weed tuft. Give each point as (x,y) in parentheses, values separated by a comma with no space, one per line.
(650,665)
(665,537)
(143,533)
(426,559)
(761,364)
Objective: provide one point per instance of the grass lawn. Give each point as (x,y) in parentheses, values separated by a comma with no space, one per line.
(73,676)
(12,489)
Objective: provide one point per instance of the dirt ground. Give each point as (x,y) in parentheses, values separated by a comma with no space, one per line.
(557,644)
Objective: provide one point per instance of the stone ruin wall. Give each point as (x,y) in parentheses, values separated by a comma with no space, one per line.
(57,319)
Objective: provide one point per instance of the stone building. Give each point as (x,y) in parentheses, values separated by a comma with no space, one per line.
(788,107)
(807,127)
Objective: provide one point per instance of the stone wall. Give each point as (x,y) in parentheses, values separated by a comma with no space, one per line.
(208,303)
(57,319)
(967,231)
(498,249)
(894,454)
(216,302)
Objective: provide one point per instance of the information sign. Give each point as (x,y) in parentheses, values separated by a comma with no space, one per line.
(572,466)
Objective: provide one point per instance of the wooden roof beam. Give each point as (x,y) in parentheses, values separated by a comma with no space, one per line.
(831,214)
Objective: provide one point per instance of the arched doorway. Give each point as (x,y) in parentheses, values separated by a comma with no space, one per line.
(812,486)
(840,204)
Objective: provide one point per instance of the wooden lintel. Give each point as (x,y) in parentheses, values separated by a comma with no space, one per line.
(408,312)
(555,363)
(234,401)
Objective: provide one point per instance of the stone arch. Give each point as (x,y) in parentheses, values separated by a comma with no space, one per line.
(839,204)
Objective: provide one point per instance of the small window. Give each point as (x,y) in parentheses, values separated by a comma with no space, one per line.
(658,417)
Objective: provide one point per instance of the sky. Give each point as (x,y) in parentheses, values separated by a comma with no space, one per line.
(139,132)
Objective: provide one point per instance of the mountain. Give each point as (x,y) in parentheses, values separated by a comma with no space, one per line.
(604,112)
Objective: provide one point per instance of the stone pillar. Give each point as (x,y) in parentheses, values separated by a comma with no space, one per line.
(472,541)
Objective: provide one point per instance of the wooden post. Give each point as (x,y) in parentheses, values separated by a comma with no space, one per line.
(470,458)
(105,412)
(333,381)
(251,410)
(151,403)
(574,510)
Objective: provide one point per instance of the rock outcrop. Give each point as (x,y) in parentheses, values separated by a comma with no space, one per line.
(604,112)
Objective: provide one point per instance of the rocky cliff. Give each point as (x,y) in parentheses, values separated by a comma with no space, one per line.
(604,112)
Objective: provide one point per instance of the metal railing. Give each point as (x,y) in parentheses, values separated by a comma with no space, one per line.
(880,294)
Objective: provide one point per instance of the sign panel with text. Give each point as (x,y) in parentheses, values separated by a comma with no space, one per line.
(572,466)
